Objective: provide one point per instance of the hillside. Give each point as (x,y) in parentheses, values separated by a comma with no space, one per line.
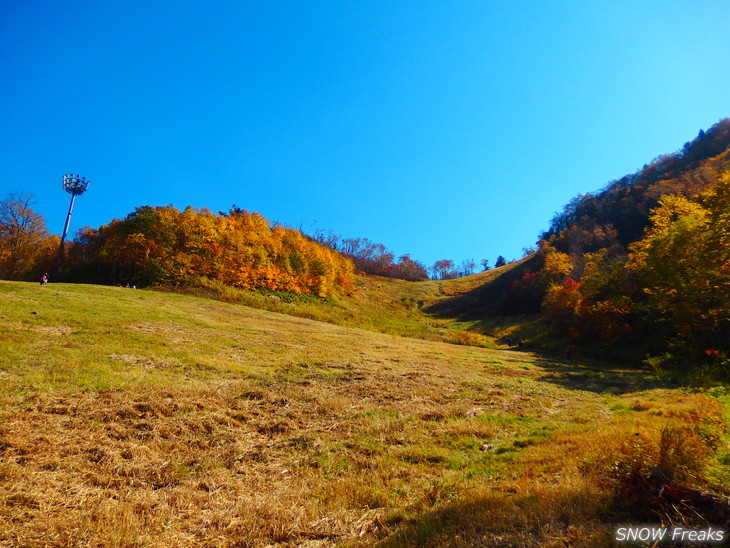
(482,295)
(439,310)
(622,208)
(142,418)
(637,272)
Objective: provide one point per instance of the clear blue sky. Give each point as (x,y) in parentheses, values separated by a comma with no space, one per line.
(451,129)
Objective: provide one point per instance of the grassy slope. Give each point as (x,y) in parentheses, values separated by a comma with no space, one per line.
(430,309)
(138,418)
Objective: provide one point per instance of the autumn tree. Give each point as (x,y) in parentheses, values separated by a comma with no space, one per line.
(673,291)
(683,265)
(645,261)
(624,205)
(444,269)
(564,305)
(373,258)
(408,269)
(23,236)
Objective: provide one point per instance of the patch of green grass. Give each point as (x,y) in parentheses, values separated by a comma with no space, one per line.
(618,407)
(382,415)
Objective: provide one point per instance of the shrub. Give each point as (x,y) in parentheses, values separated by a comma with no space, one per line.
(663,478)
(467,338)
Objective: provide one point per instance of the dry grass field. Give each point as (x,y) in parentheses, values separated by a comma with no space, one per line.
(133,418)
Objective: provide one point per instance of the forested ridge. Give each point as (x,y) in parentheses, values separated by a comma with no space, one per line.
(620,212)
(645,262)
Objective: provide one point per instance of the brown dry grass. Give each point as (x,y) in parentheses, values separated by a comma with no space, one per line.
(145,419)
(240,463)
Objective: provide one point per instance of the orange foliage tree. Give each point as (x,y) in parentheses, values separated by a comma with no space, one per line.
(162,245)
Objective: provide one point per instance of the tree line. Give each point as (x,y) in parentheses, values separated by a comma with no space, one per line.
(669,294)
(373,258)
(376,259)
(163,245)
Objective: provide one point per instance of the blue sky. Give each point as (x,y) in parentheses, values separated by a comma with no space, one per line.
(440,129)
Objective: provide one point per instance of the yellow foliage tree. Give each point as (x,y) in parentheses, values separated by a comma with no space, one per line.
(683,264)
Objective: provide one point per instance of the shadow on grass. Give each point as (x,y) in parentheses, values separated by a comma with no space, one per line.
(565,518)
(486,300)
(594,376)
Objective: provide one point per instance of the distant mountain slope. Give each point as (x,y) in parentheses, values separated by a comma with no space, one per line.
(621,210)
(583,269)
